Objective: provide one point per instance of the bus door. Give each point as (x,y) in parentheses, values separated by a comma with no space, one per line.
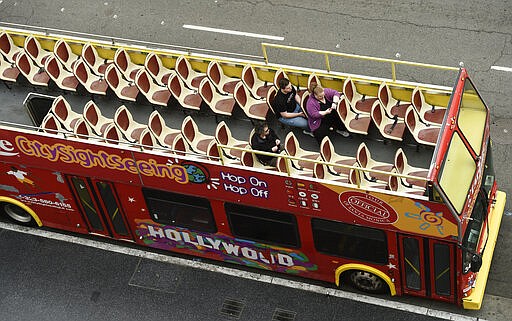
(100,207)
(427,267)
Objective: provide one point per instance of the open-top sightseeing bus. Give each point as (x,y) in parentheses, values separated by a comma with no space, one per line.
(137,143)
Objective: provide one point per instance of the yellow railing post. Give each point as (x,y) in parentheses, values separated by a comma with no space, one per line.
(264,49)
(393,71)
(327,64)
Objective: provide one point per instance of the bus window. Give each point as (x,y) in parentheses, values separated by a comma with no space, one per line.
(412,263)
(112,208)
(263,225)
(442,273)
(472,117)
(85,199)
(180,210)
(350,241)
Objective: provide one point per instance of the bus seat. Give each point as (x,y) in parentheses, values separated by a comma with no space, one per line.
(271,94)
(224,137)
(197,141)
(422,133)
(113,135)
(92,83)
(396,184)
(64,79)
(360,178)
(218,103)
(92,115)
(389,128)
(147,139)
(9,50)
(93,60)
(154,93)
(82,130)
(130,129)
(63,52)
(427,112)
(224,84)
(252,107)
(156,69)
(125,65)
(164,135)
(402,166)
(180,146)
(292,148)
(321,171)
(257,87)
(123,88)
(50,124)
(190,77)
(66,116)
(212,151)
(392,106)
(357,123)
(313,78)
(35,75)
(329,155)
(8,72)
(187,98)
(365,160)
(35,52)
(361,104)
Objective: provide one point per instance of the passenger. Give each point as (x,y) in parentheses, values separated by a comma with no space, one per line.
(266,140)
(322,115)
(286,104)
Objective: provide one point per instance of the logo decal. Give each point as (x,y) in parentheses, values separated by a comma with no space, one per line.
(368,208)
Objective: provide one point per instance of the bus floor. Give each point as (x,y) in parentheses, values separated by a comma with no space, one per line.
(53,276)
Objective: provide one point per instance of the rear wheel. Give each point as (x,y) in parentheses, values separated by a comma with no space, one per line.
(368,282)
(17,214)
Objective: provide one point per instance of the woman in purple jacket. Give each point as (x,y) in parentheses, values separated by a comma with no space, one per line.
(322,115)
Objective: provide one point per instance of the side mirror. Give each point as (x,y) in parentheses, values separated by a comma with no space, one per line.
(476,263)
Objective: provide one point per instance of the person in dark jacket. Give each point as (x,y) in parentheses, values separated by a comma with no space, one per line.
(266,140)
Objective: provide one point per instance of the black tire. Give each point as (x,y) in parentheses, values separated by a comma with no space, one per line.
(17,214)
(368,282)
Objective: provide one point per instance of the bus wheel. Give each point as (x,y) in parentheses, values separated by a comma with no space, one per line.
(17,214)
(367,282)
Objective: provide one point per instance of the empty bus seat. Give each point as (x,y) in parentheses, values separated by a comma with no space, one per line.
(64,79)
(428,113)
(329,155)
(285,165)
(358,102)
(123,88)
(403,167)
(212,151)
(249,159)
(197,141)
(130,129)
(154,93)
(125,65)
(93,60)
(365,160)
(35,75)
(50,124)
(224,137)
(180,146)
(422,133)
(224,84)
(91,82)
(292,148)
(271,94)
(66,116)
(392,106)
(396,184)
(8,48)
(391,128)
(82,130)
(8,71)
(186,97)
(147,140)
(321,171)
(157,70)
(361,178)
(252,107)
(163,134)
(92,115)
(35,51)
(257,87)
(113,135)
(190,77)
(218,103)
(357,123)
(63,52)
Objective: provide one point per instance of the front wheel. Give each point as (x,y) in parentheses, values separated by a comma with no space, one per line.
(367,282)
(17,214)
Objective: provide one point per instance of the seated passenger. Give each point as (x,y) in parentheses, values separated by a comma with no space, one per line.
(322,115)
(286,104)
(266,140)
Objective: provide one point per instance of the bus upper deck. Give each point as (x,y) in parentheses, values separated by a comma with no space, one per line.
(181,121)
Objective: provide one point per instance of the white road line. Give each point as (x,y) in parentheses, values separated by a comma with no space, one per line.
(501,68)
(243,274)
(234,32)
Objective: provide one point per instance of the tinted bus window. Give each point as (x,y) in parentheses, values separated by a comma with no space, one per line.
(180,210)
(350,241)
(113,211)
(263,225)
(442,269)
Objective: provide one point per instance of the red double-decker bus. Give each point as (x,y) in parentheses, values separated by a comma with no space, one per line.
(378,222)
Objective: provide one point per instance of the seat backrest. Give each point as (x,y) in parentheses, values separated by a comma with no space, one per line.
(410,119)
(313,78)
(363,155)
(319,171)
(179,145)
(290,144)
(240,94)
(384,93)
(112,134)
(326,149)
(271,94)
(123,117)
(62,50)
(89,54)
(50,124)
(112,76)
(91,113)
(417,99)
(6,43)
(121,59)
(400,160)
(280,74)
(215,72)
(206,90)
(23,63)
(60,108)
(175,85)
(156,123)
(52,67)
(153,64)
(247,158)
(183,67)
(222,133)
(147,139)
(82,129)
(32,47)
(377,113)
(189,129)
(81,71)
(348,89)
(343,108)
(248,75)
(142,80)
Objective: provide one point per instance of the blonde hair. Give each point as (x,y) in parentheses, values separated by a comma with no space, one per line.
(315,88)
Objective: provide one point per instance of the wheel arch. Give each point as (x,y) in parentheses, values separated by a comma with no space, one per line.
(361,267)
(4,199)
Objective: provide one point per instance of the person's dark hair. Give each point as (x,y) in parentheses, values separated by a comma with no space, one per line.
(283,82)
(260,128)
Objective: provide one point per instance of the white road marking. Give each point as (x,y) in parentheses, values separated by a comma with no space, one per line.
(234,32)
(241,274)
(509,69)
